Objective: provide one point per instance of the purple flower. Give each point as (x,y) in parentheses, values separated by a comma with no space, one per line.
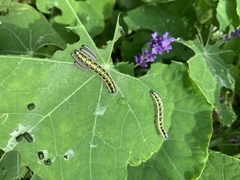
(227,38)
(158,45)
(234,34)
(144,58)
(161,43)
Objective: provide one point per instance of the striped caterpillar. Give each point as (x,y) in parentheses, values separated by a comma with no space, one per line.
(159,110)
(85,58)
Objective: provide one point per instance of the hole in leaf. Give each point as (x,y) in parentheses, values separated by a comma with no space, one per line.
(40,155)
(31,106)
(48,162)
(19,137)
(226,96)
(121,31)
(28,137)
(68,154)
(66,157)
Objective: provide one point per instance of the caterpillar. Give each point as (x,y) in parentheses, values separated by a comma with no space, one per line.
(85,58)
(159,111)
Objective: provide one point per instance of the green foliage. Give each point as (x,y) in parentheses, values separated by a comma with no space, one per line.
(220,166)
(9,165)
(188,123)
(25,31)
(83,131)
(211,74)
(157,18)
(227,14)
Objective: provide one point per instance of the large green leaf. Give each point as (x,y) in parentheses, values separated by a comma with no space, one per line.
(211,74)
(84,131)
(184,154)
